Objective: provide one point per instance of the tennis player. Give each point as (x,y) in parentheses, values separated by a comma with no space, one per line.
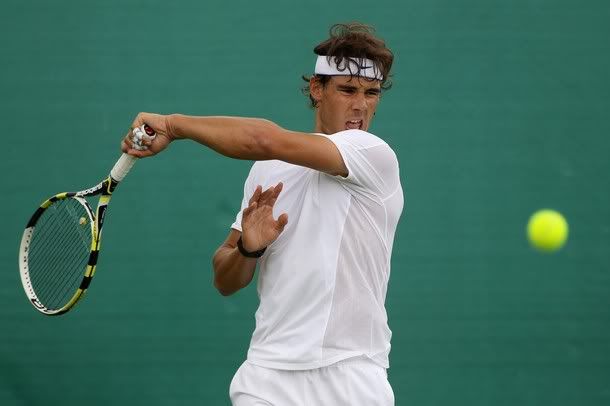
(318,217)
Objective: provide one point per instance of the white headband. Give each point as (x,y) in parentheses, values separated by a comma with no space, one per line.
(327,65)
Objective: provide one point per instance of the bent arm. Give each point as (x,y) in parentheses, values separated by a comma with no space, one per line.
(232,271)
(258,140)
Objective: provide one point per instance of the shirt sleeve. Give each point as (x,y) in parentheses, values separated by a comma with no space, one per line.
(371,163)
(249,188)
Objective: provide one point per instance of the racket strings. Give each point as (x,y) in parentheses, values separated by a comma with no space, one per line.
(55,283)
(49,248)
(51,251)
(56,279)
(59,252)
(53,279)
(66,289)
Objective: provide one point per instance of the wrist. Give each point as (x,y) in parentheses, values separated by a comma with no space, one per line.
(249,254)
(172,123)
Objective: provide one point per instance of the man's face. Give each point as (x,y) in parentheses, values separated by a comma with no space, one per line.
(345,103)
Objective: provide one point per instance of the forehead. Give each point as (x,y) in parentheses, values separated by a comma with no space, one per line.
(356,81)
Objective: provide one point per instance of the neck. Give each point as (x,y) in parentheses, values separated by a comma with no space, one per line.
(318,126)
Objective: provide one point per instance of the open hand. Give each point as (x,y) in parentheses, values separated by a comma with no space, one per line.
(259,228)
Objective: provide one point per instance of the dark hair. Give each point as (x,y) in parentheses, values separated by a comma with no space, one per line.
(353,41)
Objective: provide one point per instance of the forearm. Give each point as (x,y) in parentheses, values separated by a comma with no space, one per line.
(235,137)
(232,270)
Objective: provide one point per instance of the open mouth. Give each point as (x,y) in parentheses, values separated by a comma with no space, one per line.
(353,125)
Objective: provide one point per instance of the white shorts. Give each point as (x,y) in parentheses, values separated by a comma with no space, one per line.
(352,382)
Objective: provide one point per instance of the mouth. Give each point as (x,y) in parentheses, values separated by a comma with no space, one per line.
(354,124)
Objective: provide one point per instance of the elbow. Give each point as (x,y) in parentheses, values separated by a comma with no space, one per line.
(222,289)
(226,286)
(265,139)
(221,286)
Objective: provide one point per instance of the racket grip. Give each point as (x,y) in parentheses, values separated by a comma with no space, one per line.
(122,167)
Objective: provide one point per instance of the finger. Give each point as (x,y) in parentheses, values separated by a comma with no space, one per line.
(147,141)
(139,153)
(143,137)
(276,192)
(271,201)
(281,222)
(127,142)
(271,198)
(138,121)
(137,138)
(135,149)
(267,193)
(266,196)
(278,189)
(256,194)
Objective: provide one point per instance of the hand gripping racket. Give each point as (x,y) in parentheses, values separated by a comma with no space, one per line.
(61,242)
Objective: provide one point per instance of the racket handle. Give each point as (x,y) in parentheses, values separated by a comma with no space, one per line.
(122,167)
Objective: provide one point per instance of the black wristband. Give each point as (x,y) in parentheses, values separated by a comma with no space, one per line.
(255,254)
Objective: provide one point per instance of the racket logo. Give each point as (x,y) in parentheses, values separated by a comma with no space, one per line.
(100,216)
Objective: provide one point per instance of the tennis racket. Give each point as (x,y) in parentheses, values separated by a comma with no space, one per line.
(61,242)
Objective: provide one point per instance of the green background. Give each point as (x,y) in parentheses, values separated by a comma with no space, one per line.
(499,108)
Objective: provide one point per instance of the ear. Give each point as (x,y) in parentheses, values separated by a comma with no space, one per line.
(315,89)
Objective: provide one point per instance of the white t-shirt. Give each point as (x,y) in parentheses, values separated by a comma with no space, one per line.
(322,283)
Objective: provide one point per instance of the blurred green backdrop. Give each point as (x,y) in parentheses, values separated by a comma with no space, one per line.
(498,108)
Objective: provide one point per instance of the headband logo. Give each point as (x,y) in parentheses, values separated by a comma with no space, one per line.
(327,65)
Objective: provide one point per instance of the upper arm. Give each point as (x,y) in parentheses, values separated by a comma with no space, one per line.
(309,150)
(361,159)
(371,165)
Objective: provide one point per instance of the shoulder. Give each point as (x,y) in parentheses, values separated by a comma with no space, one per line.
(362,141)
(372,165)
(358,138)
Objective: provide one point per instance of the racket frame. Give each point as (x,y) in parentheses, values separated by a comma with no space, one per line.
(105,188)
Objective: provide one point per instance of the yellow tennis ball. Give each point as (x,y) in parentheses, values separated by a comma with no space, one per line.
(547,230)
(82,221)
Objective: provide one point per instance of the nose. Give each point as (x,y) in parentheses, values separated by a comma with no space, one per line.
(359,103)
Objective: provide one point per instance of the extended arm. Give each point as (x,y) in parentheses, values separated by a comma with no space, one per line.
(242,138)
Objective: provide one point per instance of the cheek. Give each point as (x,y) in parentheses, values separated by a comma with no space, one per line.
(373,106)
(334,110)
